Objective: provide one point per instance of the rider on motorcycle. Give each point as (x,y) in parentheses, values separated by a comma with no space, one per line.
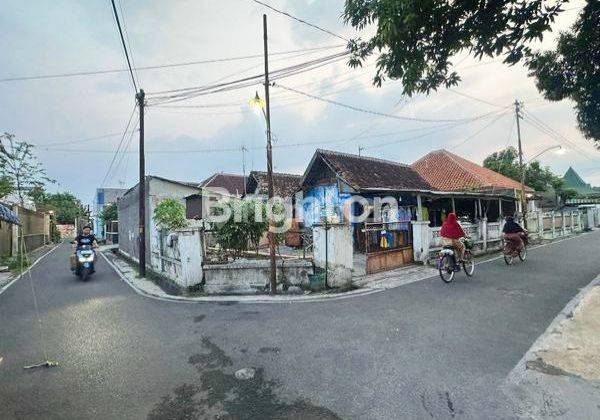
(514,233)
(86,238)
(451,234)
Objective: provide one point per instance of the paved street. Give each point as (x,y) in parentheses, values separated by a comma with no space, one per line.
(424,350)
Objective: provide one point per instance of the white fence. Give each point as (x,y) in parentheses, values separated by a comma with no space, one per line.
(488,235)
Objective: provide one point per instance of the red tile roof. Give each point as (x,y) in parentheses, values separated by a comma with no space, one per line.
(446,171)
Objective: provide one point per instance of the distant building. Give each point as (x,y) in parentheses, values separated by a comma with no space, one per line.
(214,188)
(284,185)
(572,180)
(103,197)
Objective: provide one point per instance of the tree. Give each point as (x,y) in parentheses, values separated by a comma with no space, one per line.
(109,213)
(19,165)
(66,206)
(170,214)
(417,42)
(506,163)
(245,228)
(571,71)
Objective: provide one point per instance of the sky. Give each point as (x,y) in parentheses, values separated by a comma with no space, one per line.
(61,115)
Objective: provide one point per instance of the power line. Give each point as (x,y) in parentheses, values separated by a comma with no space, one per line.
(161,66)
(137,77)
(116,152)
(84,140)
(495,120)
(124,46)
(327,31)
(368,111)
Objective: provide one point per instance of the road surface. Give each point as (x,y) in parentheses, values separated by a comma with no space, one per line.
(424,350)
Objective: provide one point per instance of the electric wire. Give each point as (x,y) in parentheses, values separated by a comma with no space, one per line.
(161,66)
(124,46)
(116,152)
(289,15)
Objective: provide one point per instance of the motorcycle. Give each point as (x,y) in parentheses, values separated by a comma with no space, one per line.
(84,261)
(513,249)
(448,266)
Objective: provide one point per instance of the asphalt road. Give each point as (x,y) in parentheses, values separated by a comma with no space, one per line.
(424,350)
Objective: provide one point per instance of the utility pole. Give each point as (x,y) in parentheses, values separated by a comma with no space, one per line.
(360,149)
(521,165)
(140,96)
(244,167)
(271,234)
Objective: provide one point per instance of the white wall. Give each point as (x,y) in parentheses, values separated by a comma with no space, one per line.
(336,252)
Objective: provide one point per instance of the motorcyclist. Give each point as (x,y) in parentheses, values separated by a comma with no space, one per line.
(86,238)
(451,234)
(514,233)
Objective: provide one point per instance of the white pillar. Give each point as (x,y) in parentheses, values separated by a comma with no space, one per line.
(500,209)
(564,220)
(419,208)
(453,205)
(541,224)
(335,253)
(484,232)
(553,225)
(421,240)
(572,222)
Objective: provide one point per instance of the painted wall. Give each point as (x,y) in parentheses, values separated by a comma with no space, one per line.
(335,252)
(323,200)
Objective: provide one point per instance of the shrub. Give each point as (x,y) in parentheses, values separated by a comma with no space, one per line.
(237,234)
(170,214)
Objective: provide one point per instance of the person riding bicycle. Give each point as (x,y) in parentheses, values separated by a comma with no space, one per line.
(451,234)
(514,233)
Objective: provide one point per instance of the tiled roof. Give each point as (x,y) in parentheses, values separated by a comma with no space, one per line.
(7,215)
(446,171)
(284,185)
(363,172)
(234,184)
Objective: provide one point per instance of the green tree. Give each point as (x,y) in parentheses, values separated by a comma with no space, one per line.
(506,162)
(244,228)
(6,186)
(20,166)
(417,42)
(169,214)
(109,213)
(571,71)
(66,206)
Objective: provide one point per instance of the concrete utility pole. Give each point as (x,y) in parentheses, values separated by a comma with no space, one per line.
(140,97)
(521,165)
(271,234)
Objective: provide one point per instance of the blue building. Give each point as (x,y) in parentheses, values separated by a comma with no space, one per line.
(103,197)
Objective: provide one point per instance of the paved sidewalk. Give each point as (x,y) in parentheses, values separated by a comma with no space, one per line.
(560,375)
(7,277)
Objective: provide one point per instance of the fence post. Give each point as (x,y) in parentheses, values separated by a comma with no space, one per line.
(484,232)
(553,225)
(564,222)
(541,224)
(572,222)
(15,234)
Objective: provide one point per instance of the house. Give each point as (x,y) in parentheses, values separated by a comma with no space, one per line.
(8,232)
(477,191)
(284,185)
(213,189)
(104,196)
(157,190)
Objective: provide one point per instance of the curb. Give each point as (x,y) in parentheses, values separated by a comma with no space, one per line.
(239,299)
(518,372)
(3,289)
(289,299)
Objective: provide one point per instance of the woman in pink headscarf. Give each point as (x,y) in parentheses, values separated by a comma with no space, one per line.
(451,234)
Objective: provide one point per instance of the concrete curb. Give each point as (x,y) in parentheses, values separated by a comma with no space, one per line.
(239,299)
(519,371)
(13,281)
(377,287)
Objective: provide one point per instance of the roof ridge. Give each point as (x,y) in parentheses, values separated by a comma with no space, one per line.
(369,158)
(276,173)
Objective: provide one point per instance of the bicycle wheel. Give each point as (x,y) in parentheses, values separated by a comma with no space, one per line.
(523,253)
(508,258)
(446,268)
(468,264)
